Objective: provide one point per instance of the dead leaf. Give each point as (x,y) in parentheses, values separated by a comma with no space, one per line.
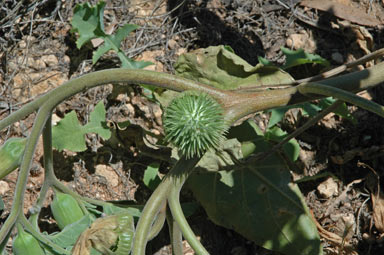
(333,238)
(100,235)
(377,197)
(342,11)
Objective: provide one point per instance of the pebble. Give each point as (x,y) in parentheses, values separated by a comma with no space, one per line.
(328,188)
(4,187)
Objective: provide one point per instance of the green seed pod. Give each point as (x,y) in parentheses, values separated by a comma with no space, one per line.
(10,155)
(126,232)
(194,123)
(24,243)
(65,209)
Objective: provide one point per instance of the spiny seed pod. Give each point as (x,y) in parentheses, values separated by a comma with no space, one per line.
(194,123)
(65,209)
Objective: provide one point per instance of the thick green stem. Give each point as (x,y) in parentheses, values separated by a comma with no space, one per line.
(18,201)
(182,168)
(175,235)
(314,88)
(159,221)
(94,79)
(43,239)
(48,172)
(178,215)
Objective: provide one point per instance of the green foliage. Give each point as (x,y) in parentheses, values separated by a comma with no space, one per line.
(67,237)
(296,58)
(69,133)
(25,243)
(11,153)
(257,201)
(310,109)
(220,67)
(65,209)
(88,22)
(151,178)
(291,148)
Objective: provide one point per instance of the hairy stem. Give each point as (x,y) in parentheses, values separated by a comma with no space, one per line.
(182,168)
(314,88)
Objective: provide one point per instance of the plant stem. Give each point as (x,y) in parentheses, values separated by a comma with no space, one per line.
(178,216)
(175,235)
(298,131)
(182,168)
(18,201)
(48,172)
(98,78)
(314,88)
(28,226)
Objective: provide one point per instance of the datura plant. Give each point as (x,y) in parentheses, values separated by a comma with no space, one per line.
(194,123)
(197,122)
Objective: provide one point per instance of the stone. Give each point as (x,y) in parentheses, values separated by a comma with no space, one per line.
(4,187)
(108,173)
(328,188)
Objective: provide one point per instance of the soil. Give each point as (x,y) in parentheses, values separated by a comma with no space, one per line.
(38,53)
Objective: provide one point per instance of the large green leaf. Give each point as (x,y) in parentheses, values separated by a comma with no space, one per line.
(69,133)
(256,200)
(220,67)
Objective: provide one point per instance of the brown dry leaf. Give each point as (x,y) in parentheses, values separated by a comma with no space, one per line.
(378,210)
(343,11)
(100,235)
(377,197)
(333,238)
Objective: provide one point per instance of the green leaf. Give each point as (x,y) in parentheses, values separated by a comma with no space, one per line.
(88,22)
(291,148)
(113,42)
(68,236)
(341,111)
(151,178)
(219,67)
(300,57)
(69,134)
(256,200)
(110,209)
(11,153)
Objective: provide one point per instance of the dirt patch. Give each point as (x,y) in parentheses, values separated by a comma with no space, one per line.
(38,53)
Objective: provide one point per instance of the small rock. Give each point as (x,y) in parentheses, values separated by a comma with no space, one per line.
(337,57)
(328,188)
(4,187)
(172,44)
(108,173)
(50,60)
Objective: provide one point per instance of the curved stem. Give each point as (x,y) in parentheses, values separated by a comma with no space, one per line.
(18,201)
(28,226)
(298,131)
(153,205)
(159,221)
(314,88)
(175,235)
(98,78)
(178,215)
(48,172)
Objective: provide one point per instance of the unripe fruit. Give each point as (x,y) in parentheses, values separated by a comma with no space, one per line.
(65,209)
(10,155)
(194,123)
(24,243)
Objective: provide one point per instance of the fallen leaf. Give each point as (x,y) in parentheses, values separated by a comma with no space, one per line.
(339,10)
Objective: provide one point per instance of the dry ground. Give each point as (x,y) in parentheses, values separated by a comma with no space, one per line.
(38,53)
